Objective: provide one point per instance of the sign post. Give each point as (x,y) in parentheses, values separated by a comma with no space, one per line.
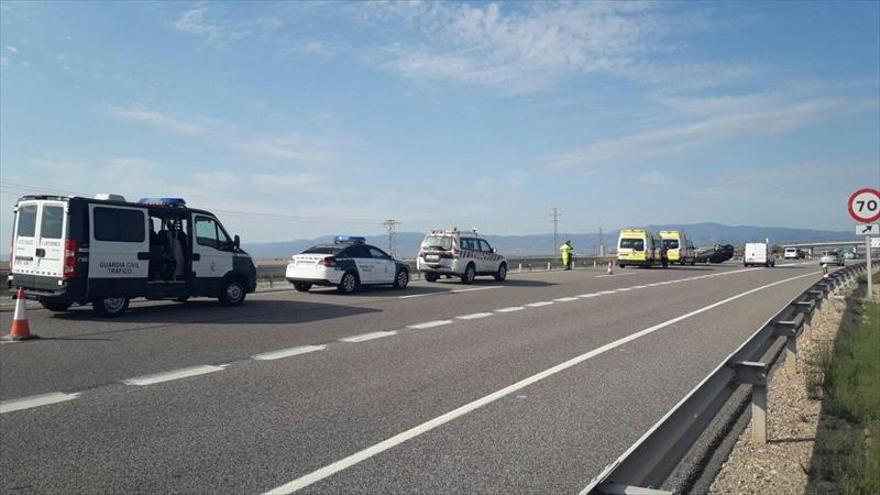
(864,207)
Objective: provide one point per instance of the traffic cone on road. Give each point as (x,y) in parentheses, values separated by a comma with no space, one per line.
(610,265)
(20,328)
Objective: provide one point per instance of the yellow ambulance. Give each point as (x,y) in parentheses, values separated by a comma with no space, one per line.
(638,247)
(679,248)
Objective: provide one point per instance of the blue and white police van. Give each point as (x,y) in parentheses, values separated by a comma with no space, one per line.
(105,251)
(347,263)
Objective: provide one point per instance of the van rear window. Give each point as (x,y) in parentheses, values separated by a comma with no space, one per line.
(52,222)
(27,221)
(118,225)
(636,244)
(670,243)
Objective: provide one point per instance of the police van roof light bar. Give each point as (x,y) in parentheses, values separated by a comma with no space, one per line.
(174,202)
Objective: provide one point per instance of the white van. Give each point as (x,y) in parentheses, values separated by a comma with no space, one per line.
(105,251)
(758,253)
(453,253)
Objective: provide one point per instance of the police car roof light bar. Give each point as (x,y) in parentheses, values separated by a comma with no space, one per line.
(174,202)
(350,239)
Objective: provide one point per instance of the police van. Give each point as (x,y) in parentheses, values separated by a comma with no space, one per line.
(453,253)
(105,251)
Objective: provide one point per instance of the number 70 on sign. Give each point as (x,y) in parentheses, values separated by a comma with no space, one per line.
(864,205)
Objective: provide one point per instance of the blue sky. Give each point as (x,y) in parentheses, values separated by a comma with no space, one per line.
(297,119)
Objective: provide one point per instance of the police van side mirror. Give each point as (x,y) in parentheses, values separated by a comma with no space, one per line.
(236,241)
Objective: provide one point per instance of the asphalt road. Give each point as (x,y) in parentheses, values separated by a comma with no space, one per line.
(441,388)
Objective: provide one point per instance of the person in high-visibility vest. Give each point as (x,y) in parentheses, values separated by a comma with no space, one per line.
(567,251)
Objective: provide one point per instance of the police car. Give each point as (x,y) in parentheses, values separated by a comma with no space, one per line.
(460,254)
(347,263)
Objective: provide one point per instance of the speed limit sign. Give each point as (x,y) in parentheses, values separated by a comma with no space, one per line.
(864,205)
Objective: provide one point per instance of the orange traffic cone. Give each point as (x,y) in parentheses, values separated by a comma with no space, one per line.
(20,329)
(610,264)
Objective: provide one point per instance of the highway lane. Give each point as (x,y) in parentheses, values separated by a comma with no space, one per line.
(256,425)
(80,351)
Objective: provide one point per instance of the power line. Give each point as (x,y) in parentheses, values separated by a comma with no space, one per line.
(555,216)
(391,225)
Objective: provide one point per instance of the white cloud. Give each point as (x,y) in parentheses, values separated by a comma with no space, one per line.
(653,178)
(162,120)
(194,21)
(200,21)
(12,49)
(716,127)
(289,147)
(519,48)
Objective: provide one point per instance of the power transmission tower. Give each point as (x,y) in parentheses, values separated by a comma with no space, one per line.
(390,224)
(555,216)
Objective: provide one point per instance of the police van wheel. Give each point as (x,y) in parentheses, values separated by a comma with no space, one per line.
(54,305)
(431,277)
(348,284)
(302,286)
(233,293)
(110,307)
(401,280)
(470,273)
(501,276)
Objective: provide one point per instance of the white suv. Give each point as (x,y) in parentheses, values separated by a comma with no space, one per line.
(460,254)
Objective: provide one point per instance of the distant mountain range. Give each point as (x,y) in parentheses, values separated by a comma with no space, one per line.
(702,234)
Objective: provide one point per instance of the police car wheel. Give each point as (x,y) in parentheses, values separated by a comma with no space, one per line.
(233,293)
(401,280)
(348,284)
(302,286)
(469,274)
(110,307)
(502,273)
(431,277)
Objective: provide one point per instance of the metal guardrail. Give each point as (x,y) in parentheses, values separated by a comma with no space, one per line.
(647,464)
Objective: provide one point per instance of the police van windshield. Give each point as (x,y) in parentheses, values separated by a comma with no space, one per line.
(324,249)
(438,242)
(670,243)
(635,244)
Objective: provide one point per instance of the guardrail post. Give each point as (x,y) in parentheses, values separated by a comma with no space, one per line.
(548,266)
(806,309)
(789,330)
(520,268)
(755,374)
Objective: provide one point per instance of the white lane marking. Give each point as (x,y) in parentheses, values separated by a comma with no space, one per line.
(624,289)
(35,401)
(539,304)
(429,324)
(172,375)
(587,296)
(638,286)
(510,309)
(456,291)
(429,425)
(283,353)
(604,292)
(566,299)
(601,476)
(474,316)
(368,336)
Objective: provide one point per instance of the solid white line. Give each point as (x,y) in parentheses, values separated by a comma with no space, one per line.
(587,296)
(429,324)
(456,291)
(604,292)
(283,353)
(35,401)
(624,289)
(172,375)
(566,299)
(368,336)
(510,309)
(402,437)
(539,304)
(474,316)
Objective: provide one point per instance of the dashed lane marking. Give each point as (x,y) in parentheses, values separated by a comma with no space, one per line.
(510,309)
(172,375)
(456,291)
(539,304)
(11,405)
(429,324)
(474,316)
(283,353)
(368,336)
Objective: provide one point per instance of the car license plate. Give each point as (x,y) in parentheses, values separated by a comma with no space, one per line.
(432,257)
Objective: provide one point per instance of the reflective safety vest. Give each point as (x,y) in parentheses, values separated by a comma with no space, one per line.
(566,250)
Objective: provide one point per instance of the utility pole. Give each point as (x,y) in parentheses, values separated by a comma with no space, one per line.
(600,249)
(555,216)
(390,224)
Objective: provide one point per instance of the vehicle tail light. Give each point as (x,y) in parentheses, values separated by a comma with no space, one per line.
(447,255)
(328,261)
(69,259)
